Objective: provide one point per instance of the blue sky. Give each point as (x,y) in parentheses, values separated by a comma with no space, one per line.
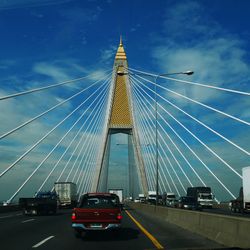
(55,40)
(80,33)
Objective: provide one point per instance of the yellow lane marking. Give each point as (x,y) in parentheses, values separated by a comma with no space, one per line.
(150,236)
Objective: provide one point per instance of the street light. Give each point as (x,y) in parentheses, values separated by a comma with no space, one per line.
(188,72)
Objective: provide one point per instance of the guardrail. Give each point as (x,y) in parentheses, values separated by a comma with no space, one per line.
(227,230)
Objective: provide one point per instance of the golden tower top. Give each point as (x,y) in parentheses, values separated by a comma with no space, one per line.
(120,117)
(120,54)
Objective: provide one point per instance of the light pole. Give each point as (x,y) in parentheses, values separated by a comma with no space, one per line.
(188,72)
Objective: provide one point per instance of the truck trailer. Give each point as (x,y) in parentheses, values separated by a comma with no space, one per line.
(242,203)
(67,193)
(118,192)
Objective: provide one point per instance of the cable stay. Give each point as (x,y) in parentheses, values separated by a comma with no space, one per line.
(149,133)
(85,175)
(151,163)
(48,87)
(38,167)
(79,143)
(47,111)
(79,154)
(53,169)
(90,152)
(167,160)
(145,132)
(80,130)
(197,102)
(138,73)
(94,133)
(84,147)
(82,137)
(215,154)
(149,104)
(190,148)
(189,164)
(177,162)
(47,134)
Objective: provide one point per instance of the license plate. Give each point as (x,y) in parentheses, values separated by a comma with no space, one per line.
(96,225)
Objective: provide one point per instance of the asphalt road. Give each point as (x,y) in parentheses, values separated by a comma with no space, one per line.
(19,232)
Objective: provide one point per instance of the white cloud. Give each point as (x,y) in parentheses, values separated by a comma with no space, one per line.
(56,73)
(193,40)
(107,55)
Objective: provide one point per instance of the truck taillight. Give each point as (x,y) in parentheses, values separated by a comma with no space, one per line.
(119,217)
(73,216)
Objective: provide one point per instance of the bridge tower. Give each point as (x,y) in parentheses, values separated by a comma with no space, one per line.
(120,119)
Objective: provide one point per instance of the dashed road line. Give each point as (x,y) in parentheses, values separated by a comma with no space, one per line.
(27,220)
(43,241)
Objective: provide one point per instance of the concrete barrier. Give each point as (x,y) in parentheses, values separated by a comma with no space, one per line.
(227,230)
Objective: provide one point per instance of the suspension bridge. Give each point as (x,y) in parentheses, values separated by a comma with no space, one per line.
(177,133)
(131,129)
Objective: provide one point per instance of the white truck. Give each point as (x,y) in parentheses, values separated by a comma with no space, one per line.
(203,195)
(67,193)
(118,192)
(242,203)
(151,197)
(142,198)
(169,199)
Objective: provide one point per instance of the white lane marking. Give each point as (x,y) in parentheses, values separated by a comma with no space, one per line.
(27,220)
(43,241)
(8,216)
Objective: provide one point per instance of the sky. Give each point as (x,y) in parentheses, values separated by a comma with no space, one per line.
(49,41)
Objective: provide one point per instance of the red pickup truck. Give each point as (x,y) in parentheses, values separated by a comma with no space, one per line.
(97,211)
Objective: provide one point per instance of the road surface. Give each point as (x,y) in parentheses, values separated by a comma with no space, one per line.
(19,232)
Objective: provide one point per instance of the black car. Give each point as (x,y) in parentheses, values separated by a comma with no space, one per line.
(188,202)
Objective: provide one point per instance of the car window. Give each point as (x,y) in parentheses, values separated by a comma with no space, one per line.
(99,202)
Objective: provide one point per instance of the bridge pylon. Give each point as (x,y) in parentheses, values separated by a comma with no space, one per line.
(120,119)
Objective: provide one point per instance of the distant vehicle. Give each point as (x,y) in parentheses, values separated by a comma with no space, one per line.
(118,192)
(97,211)
(151,197)
(242,203)
(67,193)
(168,199)
(142,198)
(5,203)
(188,202)
(203,195)
(137,200)
(42,203)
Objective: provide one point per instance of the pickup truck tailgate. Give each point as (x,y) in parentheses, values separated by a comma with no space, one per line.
(96,215)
